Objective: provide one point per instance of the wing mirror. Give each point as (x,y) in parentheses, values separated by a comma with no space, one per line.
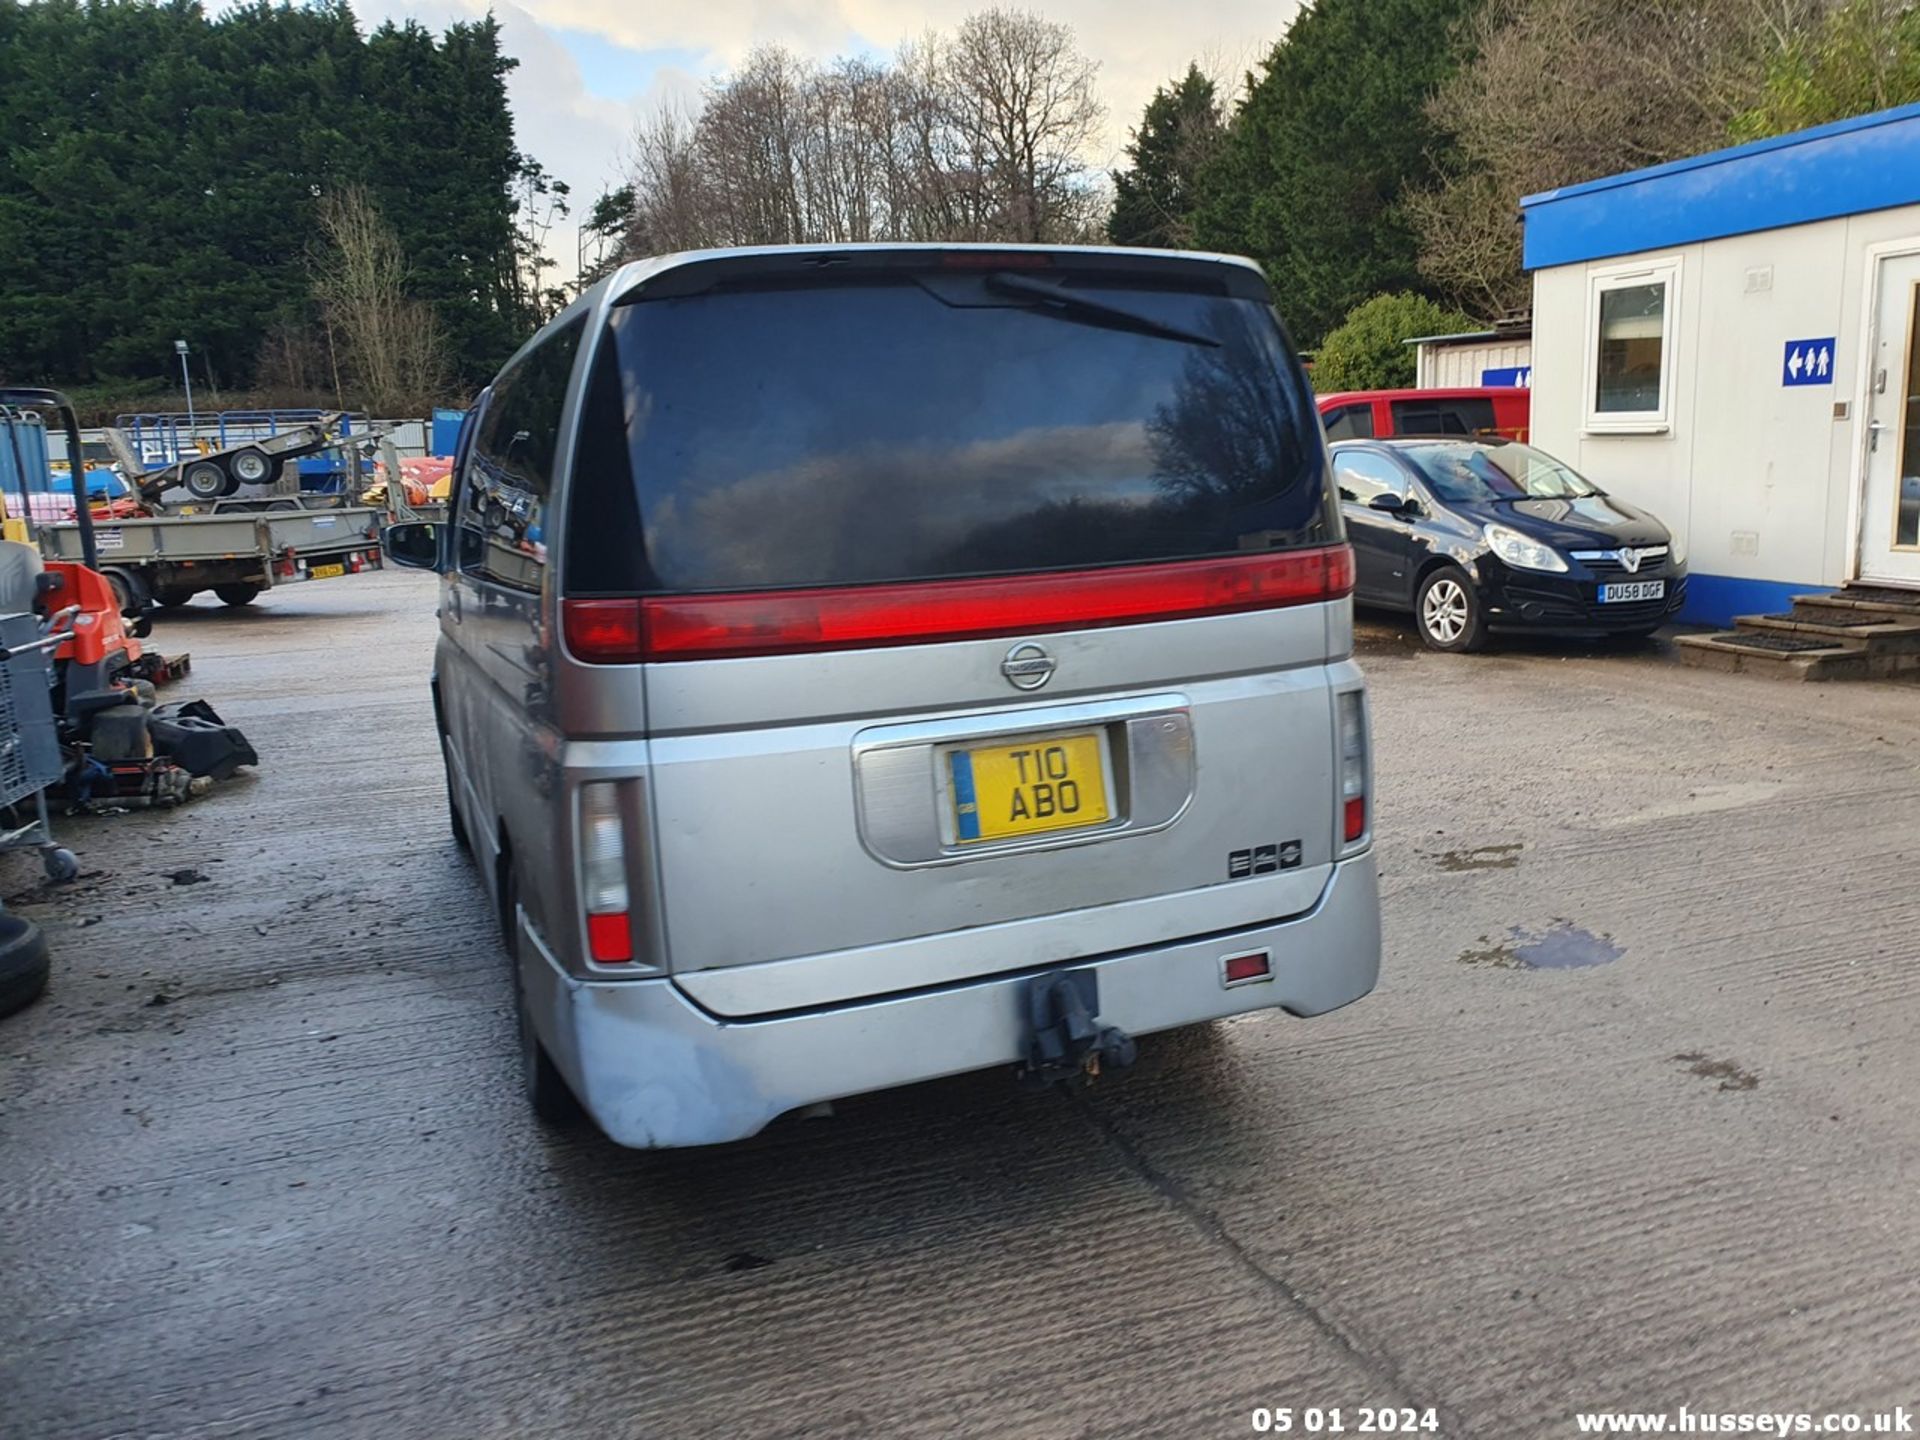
(1392,504)
(415,544)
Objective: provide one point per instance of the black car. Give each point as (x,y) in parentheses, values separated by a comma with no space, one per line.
(1475,536)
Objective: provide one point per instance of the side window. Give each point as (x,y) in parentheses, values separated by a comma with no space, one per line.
(463,450)
(1443,417)
(1350,422)
(500,526)
(1630,317)
(1363,474)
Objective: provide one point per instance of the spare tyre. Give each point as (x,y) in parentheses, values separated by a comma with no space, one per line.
(24,963)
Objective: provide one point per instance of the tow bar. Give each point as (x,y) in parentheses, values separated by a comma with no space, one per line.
(1067,1037)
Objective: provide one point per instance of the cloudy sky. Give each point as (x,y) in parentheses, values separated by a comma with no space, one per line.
(589,68)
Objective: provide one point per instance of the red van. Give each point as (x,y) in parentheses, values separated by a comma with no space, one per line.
(1382,414)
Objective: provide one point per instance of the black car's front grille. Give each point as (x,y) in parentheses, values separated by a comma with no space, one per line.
(1652,565)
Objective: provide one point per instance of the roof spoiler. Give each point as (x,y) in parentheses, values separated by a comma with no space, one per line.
(700,271)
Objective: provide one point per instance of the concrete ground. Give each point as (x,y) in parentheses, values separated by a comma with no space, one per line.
(1630,1122)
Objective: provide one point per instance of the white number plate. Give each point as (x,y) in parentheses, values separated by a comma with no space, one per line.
(1633,590)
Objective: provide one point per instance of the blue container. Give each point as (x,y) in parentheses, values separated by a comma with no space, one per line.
(24,467)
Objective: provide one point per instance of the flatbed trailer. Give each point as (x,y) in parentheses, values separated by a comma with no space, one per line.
(166,560)
(157,454)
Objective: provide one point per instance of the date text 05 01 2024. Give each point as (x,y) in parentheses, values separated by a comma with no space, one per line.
(1332,1420)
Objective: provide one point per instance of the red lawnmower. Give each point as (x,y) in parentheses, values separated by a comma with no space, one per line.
(124,750)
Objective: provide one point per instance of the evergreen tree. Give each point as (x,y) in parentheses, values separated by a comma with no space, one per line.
(1335,129)
(160,172)
(1155,197)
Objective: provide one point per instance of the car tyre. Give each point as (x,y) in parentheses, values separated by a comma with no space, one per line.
(553,1101)
(237,594)
(462,841)
(24,963)
(1448,613)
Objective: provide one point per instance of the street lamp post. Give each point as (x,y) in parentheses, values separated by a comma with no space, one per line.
(180,349)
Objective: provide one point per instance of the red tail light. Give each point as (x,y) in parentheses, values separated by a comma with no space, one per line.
(602,632)
(1356,768)
(781,622)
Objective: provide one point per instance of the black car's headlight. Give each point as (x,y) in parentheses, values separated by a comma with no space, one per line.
(1522,552)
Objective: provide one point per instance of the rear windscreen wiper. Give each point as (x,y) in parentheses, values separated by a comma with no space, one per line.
(1006,283)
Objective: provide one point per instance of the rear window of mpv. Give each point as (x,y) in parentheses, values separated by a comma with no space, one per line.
(906,429)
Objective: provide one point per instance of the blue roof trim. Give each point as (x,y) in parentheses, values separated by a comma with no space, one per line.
(1846,168)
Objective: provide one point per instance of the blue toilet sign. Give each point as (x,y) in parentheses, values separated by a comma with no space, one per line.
(1808,362)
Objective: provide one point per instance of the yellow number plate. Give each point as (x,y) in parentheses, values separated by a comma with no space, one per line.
(325,572)
(1057,782)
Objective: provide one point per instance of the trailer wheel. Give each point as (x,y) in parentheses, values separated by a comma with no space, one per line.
(236,594)
(171,597)
(253,467)
(129,591)
(206,480)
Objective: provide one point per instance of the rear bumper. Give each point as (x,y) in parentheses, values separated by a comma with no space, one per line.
(656,1070)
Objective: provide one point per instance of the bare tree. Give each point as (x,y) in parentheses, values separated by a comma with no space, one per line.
(1570,90)
(394,351)
(291,359)
(978,137)
(748,136)
(933,174)
(1022,98)
(539,202)
(669,208)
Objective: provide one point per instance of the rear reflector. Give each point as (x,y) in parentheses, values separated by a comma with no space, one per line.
(609,938)
(1356,817)
(784,622)
(1239,969)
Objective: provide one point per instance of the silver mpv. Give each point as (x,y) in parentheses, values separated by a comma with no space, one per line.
(865,664)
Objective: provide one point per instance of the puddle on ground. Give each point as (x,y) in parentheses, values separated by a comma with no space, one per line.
(1561,946)
(1730,1075)
(1481,857)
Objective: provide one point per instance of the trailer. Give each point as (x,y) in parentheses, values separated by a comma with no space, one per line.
(162,557)
(166,560)
(159,453)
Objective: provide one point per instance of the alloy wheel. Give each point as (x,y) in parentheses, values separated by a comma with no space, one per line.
(1444,611)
